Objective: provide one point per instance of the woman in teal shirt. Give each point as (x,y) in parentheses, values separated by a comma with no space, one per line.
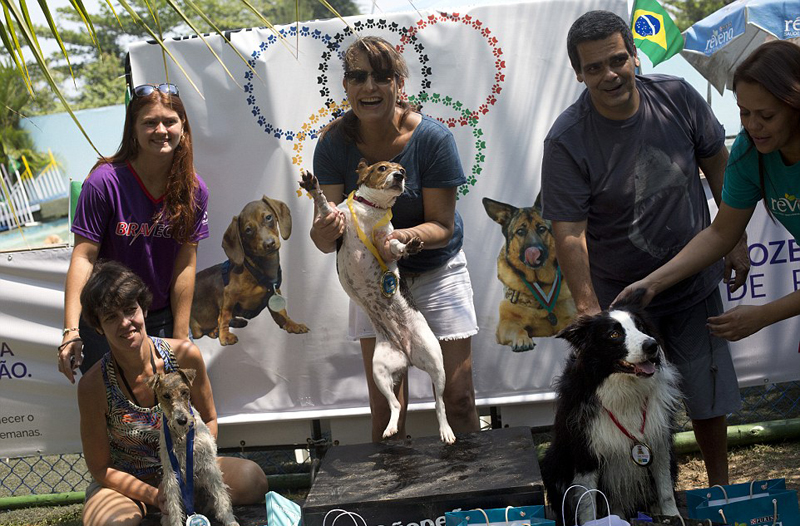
(764,165)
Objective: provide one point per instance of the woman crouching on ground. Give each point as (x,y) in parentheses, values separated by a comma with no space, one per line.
(119,417)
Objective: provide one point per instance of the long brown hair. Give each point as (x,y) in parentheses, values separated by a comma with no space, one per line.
(178,209)
(382,56)
(775,66)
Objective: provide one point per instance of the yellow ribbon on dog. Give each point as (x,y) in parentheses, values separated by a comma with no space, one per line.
(389,280)
(363,237)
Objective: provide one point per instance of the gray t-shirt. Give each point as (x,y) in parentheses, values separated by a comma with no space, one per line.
(636,183)
(431,161)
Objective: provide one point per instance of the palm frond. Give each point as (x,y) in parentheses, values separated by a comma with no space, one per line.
(53,30)
(136,18)
(188,22)
(211,24)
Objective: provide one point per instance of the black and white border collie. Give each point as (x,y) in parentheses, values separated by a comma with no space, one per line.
(616,372)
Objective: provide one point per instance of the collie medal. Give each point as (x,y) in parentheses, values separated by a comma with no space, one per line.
(388,283)
(551,317)
(276,303)
(197,520)
(641,455)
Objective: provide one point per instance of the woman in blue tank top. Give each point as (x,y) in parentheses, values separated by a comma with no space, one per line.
(119,418)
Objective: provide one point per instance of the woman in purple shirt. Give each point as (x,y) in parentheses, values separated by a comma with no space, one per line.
(146,208)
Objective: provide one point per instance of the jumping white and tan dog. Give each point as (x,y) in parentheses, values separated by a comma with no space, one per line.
(403,336)
(172,392)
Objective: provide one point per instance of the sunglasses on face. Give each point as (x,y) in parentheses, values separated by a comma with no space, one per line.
(146,89)
(360,77)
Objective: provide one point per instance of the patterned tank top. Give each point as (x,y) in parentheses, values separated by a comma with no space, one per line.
(133,431)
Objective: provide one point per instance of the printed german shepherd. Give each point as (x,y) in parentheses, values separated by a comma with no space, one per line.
(537,301)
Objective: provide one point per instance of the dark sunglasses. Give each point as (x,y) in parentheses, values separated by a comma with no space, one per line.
(146,89)
(358,76)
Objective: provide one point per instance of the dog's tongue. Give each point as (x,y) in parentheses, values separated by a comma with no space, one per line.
(532,255)
(647,368)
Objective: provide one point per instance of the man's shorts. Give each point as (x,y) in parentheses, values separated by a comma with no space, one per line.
(443,295)
(708,380)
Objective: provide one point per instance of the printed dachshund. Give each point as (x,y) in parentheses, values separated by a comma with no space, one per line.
(228,294)
(537,301)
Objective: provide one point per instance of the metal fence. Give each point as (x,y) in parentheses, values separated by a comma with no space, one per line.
(67,473)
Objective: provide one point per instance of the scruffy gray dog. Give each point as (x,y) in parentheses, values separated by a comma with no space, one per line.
(172,391)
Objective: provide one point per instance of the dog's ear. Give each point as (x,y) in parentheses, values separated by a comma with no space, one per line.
(232,243)
(362,171)
(575,332)
(153,381)
(188,375)
(283,213)
(537,205)
(499,212)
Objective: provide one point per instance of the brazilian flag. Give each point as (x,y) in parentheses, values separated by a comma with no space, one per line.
(654,32)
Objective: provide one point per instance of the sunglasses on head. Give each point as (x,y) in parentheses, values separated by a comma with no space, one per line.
(146,89)
(358,76)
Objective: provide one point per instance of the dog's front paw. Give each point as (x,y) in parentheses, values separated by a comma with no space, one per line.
(228,338)
(293,327)
(413,247)
(514,336)
(309,182)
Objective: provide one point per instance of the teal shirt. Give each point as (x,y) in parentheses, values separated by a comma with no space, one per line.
(782,184)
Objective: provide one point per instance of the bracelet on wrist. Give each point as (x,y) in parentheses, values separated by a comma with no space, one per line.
(73,340)
(67,330)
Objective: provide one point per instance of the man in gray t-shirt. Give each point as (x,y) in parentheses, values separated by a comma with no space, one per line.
(620,184)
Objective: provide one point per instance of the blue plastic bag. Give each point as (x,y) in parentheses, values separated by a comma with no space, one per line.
(754,504)
(510,516)
(281,511)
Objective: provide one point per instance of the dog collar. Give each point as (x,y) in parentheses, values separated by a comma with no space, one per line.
(367,202)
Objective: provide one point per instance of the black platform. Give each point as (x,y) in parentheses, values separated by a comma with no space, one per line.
(417,481)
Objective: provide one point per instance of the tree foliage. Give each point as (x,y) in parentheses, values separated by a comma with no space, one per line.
(14,100)
(687,12)
(99,66)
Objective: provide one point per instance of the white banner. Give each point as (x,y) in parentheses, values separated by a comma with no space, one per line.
(499,76)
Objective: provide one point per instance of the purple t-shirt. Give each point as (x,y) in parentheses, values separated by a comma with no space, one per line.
(116,211)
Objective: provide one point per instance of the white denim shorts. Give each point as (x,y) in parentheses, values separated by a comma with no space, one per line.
(443,295)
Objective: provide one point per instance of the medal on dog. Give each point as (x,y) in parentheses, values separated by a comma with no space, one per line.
(197,520)
(276,303)
(388,283)
(552,318)
(641,454)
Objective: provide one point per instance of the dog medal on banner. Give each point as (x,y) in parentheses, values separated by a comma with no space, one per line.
(388,283)
(196,519)
(276,303)
(641,455)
